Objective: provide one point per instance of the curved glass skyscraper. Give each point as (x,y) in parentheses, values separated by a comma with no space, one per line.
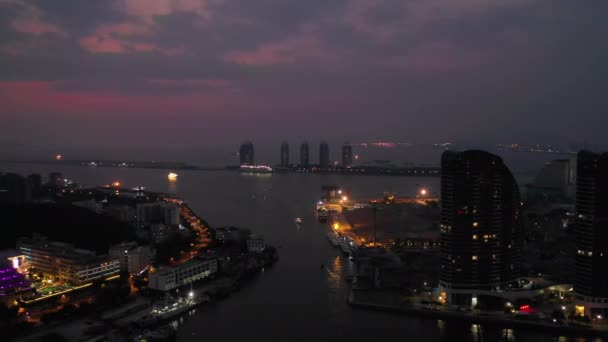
(481,231)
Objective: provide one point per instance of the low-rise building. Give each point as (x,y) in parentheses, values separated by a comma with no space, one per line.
(64,262)
(132,257)
(255,244)
(90,204)
(226,234)
(171,277)
(13,285)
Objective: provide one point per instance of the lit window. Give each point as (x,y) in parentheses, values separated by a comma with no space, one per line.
(475,224)
(474,257)
(474,236)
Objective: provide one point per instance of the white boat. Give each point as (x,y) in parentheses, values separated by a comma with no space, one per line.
(298,220)
(171,308)
(322,214)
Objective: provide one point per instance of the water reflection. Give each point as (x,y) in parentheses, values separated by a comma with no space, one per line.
(334,275)
(172,186)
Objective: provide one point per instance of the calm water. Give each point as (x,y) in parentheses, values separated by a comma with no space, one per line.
(295,300)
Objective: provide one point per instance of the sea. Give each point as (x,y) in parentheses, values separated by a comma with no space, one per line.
(296,299)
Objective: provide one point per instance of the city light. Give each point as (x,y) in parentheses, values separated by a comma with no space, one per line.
(58,157)
(336,226)
(116,184)
(172,176)
(344,198)
(423,192)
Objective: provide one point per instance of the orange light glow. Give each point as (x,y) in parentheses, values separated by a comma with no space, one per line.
(116,184)
(58,157)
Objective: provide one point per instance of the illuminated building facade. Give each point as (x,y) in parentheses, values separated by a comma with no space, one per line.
(284,154)
(13,284)
(169,278)
(591,231)
(246,153)
(132,257)
(64,262)
(347,154)
(304,155)
(324,155)
(481,231)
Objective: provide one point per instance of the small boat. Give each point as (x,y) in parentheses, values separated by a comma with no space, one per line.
(298,220)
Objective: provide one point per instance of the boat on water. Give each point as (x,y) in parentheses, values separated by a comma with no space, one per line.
(322,214)
(298,220)
(320,205)
(263,169)
(171,308)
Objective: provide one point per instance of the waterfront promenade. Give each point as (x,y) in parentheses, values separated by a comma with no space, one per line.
(366,300)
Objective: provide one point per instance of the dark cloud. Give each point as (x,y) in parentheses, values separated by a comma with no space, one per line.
(424,70)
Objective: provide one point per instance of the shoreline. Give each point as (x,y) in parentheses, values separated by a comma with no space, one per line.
(501,322)
(413,171)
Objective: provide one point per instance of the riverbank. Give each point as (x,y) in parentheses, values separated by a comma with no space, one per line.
(358,302)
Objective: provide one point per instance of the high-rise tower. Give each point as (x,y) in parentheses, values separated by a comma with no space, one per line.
(481,231)
(284,154)
(591,234)
(246,153)
(324,155)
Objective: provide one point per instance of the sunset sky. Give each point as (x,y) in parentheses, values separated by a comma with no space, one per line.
(114,78)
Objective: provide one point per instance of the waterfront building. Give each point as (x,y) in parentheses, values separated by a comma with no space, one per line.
(13,285)
(231,234)
(324,155)
(64,262)
(304,155)
(255,244)
(170,277)
(481,231)
(14,189)
(132,257)
(246,153)
(347,155)
(285,154)
(556,180)
(591,234)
